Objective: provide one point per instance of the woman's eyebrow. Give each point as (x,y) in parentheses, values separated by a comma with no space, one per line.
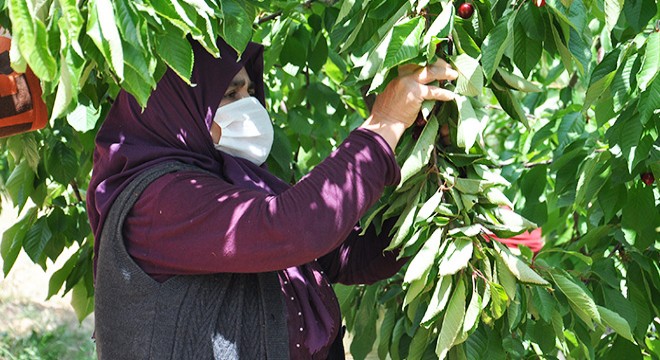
(239,83)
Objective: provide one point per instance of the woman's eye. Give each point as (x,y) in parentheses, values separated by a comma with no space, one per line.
(230,95)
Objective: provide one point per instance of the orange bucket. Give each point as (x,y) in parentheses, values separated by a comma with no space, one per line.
(21,107)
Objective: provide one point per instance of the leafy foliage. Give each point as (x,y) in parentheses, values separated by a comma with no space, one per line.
(557,117)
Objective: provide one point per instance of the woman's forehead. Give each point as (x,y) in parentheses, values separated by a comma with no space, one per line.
(241,79)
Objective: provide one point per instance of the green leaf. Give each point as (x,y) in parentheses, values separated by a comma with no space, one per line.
(57,279)
(470,186)
(453,321)
(469,126)
(421,153)
(622,82)
(470,80)
(577,16)
(651,62)
(376,58)
(238,17)
(531,23)
(506,279)
(649,101)
(405,222)
(29,36)
(73,19)
(386,331)
(65,92)
(405,42)
(496,43)
(176,52)
(319,54)
(141,62)
(601,78)
(419,343)
(518,83)
(62,163)
(82,301)
(580,50)
(397,334)
(511,105)
(420,265)
(500,300)
(20,184)
(497,197)
(13,238)
(616,322)
(581,302)
(441,26)
(526,51)
(365,324)
(639,13)
(83,118)
(558,325)
(294,51)
(439,300)
(128,22)
(564,53)
(457,256)
(544,303)
(24,147)
(347,7)
(517,267)
(102,29)
(594,173)
(37,238)
(612,11)
(135,84)
(637,213)
(428,209)
(473,311)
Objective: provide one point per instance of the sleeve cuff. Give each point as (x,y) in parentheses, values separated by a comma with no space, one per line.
(382,149)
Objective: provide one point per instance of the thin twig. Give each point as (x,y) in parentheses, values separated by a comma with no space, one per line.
(495,107)
(276,14)
(531,165)
(76,190)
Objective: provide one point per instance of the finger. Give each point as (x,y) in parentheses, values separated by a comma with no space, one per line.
(431,73)
(436,93)
(441,63)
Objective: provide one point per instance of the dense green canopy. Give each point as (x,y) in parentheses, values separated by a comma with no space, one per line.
(557,118)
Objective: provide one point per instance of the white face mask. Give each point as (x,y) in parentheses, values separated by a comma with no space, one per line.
(247,131)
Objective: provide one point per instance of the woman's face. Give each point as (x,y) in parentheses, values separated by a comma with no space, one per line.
(240,87)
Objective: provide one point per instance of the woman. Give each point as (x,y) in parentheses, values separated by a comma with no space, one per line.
(204,254)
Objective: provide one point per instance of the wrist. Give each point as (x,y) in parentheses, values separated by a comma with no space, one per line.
(391,132)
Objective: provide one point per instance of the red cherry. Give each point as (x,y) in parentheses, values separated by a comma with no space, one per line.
(539,3)
(465,10)
(648,178)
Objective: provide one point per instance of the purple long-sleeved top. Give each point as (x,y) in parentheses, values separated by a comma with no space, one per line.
(307,233)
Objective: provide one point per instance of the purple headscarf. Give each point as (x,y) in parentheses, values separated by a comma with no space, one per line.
(174,126)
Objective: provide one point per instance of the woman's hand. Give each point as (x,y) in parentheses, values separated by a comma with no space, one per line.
(396,108)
